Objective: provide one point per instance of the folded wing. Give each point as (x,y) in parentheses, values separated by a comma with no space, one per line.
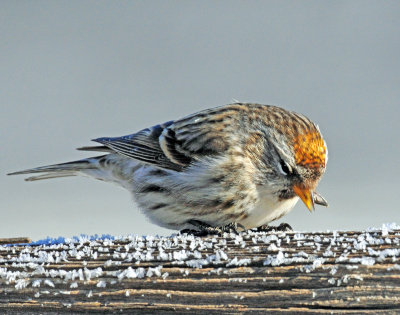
(176,144)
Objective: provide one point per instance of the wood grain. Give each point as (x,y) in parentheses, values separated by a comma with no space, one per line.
(355,272)
(15,240)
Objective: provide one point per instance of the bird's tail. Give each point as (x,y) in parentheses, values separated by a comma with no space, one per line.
(80,167)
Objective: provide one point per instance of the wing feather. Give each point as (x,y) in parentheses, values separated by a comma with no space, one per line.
(176,144)
(99,148)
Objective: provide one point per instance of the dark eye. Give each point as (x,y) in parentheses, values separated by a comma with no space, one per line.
(286,169)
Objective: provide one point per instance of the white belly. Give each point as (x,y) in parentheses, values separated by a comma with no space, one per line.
(267,209)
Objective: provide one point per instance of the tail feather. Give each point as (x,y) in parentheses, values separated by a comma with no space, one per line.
(113,168)
(59,170)
(49,175)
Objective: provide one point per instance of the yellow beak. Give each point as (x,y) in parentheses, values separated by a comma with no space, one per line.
(305,195)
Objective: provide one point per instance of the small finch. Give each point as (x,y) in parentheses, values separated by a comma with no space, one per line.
(236,166)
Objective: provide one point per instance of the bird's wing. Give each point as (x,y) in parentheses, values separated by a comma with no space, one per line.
(175,144)
(99,148)
(143,146)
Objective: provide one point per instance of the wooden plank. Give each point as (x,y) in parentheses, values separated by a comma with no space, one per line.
(15,240)
(354,272)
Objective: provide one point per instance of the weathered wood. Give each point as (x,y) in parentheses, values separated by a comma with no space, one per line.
(303,273)
(15,240)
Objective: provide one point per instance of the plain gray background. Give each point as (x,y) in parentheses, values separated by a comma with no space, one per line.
(71,71)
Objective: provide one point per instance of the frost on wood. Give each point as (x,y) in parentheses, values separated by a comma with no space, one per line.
(251,271)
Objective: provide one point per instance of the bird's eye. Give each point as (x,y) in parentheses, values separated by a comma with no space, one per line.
(284,168)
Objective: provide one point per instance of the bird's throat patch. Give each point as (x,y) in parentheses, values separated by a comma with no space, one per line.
(310,150)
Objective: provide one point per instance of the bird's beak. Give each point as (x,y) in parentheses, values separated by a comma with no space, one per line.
(305,195)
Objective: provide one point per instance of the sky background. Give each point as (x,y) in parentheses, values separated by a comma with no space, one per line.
(72,71)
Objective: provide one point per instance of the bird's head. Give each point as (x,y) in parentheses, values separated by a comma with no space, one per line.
(296,157)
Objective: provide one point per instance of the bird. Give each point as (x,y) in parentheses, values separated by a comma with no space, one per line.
(234,167)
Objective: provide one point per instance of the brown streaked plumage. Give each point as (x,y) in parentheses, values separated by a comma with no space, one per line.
(241,163)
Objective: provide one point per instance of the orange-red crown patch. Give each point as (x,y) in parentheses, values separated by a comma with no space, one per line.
(310,150)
